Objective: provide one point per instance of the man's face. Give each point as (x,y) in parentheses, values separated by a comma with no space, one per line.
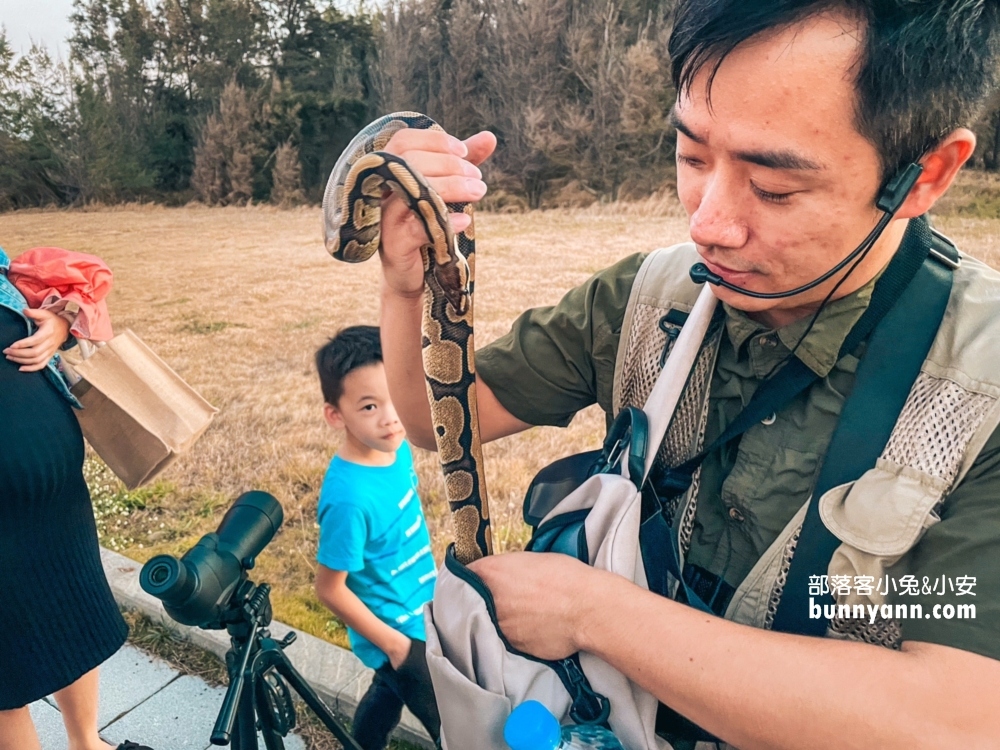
(778,184)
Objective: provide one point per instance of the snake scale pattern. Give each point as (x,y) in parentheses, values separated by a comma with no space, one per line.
(352,209)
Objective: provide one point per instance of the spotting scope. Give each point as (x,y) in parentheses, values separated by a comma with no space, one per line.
(196,589)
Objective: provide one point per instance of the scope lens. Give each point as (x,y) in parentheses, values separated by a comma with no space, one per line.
(159,575)
(197,588)
(166,578)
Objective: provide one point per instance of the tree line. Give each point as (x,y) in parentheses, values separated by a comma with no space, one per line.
(230,101)
(224,101)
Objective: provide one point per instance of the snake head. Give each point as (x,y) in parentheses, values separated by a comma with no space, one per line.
(453,277)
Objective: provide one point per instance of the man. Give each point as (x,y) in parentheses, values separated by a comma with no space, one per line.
(791,118)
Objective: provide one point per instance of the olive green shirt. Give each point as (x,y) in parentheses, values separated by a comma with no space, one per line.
(558,360)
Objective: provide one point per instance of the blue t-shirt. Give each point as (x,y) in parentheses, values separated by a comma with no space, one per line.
(372,526)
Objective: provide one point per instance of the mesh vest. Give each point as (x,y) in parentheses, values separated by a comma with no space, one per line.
(950,413)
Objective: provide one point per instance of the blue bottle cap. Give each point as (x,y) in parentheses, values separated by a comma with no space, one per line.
(531,726)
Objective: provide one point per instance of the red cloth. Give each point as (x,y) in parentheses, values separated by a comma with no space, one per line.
(53,278)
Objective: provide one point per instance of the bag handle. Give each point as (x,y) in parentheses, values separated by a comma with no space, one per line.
(89,348)
(626,443)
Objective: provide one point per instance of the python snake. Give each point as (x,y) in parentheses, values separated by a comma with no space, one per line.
(352,210)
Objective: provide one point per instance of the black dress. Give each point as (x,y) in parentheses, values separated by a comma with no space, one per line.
(59,617)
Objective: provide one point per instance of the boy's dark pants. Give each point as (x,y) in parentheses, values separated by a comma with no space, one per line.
(381,707)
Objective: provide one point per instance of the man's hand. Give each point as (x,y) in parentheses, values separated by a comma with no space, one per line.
(752,687)
(450,166)
(34,352)
(538,599)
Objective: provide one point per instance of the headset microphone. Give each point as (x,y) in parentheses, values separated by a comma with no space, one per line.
(889,202)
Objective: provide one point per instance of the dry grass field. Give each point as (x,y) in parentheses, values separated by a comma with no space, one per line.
(237,301)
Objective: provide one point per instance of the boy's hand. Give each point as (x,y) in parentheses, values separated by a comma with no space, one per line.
(331,588)
(398,650)
(34,352)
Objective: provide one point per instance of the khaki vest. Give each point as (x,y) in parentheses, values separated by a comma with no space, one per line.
(951,411)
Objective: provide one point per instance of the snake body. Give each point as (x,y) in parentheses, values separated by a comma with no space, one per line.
(352,210)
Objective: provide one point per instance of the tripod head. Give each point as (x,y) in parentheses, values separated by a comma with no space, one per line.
(247,615)
(259,678)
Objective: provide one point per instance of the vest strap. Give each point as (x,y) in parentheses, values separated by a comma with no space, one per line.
(885,376)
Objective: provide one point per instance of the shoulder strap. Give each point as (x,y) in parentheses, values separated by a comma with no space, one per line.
(669,386)
(901,328)
(891,364)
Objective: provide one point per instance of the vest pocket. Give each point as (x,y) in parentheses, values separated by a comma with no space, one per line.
(879,518)
(886,511)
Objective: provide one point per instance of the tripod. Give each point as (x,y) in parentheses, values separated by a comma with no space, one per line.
(258,697)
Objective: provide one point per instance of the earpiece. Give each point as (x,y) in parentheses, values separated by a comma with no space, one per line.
(890,200)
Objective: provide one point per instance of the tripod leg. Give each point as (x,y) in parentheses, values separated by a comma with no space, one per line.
(245,731)
(226,725)
(272,740)
(299,685)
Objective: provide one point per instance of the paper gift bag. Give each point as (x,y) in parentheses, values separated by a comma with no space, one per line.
(138,414)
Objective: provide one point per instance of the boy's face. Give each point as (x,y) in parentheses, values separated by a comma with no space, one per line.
(366,412)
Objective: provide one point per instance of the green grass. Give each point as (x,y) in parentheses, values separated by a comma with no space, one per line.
(301,325)
(981,206)
(161,519)
(113,504)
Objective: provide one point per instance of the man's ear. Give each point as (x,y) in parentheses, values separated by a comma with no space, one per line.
(333,417)
(941,165)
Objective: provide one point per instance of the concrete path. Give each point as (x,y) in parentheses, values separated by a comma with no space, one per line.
(146,700)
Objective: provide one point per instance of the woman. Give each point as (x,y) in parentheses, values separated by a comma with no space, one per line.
(61,619)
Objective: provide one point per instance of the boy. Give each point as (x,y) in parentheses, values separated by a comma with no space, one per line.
(375,568)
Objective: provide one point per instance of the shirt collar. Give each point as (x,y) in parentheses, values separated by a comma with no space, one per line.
(4,261)
(821,348)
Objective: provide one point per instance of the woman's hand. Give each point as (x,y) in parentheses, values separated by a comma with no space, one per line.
(34,352)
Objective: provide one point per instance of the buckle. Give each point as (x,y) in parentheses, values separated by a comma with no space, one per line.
(613,456)
(944,250)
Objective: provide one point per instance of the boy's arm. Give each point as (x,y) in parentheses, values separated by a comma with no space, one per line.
(331,588)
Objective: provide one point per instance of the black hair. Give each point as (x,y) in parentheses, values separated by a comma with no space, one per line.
(925,67)
(350,349)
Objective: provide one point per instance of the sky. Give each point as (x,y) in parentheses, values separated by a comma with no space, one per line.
(43,21)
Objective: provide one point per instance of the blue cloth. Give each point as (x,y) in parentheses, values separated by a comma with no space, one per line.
(371,525)
(12,299)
